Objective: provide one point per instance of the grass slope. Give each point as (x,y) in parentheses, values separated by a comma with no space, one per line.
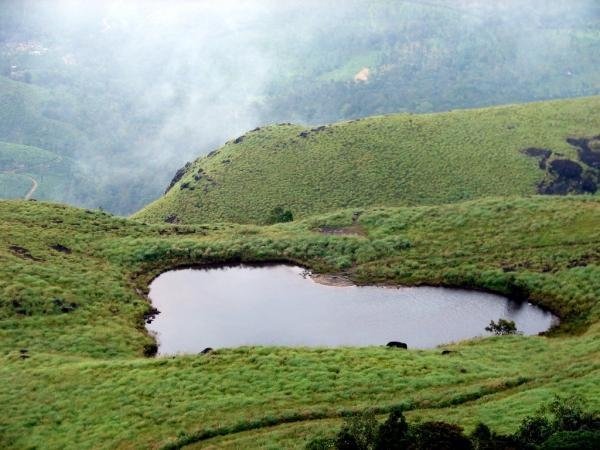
(56,176)
(71,293)
(386,160)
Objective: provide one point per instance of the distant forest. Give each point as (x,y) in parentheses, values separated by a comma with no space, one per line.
(124,95)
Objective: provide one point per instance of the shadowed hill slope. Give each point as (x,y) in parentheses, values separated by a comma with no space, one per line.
(389,160)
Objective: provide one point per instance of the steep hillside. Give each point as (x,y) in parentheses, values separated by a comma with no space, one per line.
(72,341)
(390,160)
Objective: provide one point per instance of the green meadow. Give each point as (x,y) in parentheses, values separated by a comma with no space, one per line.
(73,370)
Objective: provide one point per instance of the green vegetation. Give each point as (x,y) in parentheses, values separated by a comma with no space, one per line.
(72,371)
(20,165)
(389,160)
(280,215)
(182,87)
(562,424)
(502,328)
(444,199)
(439,55)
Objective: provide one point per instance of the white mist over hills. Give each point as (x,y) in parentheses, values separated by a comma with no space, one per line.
(132,90)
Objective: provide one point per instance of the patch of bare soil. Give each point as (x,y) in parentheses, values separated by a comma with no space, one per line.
(22,252)
(331,280)
(352,230)
(363,75)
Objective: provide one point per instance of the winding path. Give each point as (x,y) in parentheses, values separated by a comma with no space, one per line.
(34,183)
(34,186)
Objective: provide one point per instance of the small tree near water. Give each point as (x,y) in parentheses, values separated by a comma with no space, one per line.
(502,328)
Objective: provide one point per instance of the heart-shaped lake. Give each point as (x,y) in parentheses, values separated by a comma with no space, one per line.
(280,305)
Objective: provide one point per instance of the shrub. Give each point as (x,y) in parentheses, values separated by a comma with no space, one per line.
(393,433)
(534,430)
(441,436)
(280,215)
(569,415)
(358,433)
(563,424)
(566,415)
(483,438)
(503,327)
(150,349)
(573,440)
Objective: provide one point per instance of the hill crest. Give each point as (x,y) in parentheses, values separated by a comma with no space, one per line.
(392,160)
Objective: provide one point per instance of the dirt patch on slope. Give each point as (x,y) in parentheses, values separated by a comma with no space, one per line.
(332,280)
(22,252)
(352,230)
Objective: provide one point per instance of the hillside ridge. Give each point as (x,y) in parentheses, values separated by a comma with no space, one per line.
(392,160)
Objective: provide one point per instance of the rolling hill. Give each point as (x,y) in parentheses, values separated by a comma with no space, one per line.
(394,160)
(171,94)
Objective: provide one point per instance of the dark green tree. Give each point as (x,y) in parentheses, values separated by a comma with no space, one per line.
(503,327)
(441,436)
(393,433)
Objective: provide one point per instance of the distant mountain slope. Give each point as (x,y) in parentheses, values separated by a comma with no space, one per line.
(45,175)
(390,160)
(125,92)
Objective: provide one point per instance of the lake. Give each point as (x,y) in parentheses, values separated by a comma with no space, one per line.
(281,305)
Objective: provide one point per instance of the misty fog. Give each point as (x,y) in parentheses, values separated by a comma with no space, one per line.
(129,91)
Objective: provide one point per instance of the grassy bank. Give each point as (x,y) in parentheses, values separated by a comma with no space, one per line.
(71,290)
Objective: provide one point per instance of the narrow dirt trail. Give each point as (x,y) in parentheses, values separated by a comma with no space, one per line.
(34,183)
(34,186)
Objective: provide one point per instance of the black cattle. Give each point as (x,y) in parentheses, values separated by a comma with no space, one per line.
(396,344)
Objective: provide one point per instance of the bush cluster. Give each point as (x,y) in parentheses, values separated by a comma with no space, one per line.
(563,424)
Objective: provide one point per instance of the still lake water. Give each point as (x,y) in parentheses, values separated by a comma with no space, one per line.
(280,306)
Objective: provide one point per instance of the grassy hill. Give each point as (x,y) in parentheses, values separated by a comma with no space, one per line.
(387,160)
(123,111)
(20,165)
(72,285)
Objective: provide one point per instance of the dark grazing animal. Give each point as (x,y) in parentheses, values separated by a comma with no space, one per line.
(396,344)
